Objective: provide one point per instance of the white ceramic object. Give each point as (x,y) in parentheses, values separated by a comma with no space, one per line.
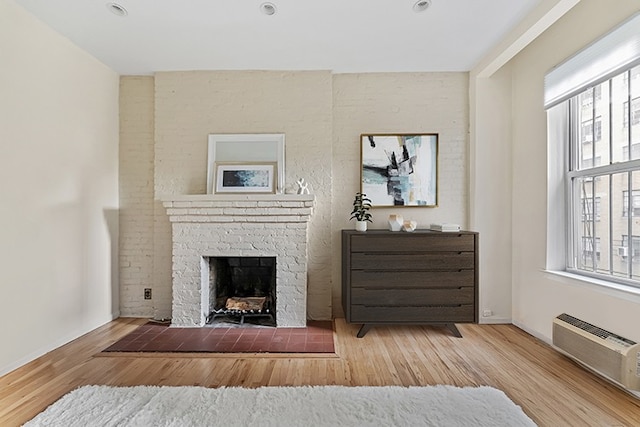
(395,222)
(303,187)
(409,226)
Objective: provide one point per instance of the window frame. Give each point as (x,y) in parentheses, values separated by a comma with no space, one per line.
(578,172)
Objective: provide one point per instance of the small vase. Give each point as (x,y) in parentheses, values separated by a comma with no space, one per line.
(409,226)
(395,222)
(361,225)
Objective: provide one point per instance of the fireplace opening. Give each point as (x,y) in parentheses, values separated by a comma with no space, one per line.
(242,290)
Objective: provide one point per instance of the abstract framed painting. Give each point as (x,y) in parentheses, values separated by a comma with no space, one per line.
(245,178)
(400,169)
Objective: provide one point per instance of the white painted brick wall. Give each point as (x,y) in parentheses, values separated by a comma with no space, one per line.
(191,105)
(322,116)
(260,227)
(136,194)
(398,103)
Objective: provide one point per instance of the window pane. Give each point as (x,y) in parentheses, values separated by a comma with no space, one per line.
(619,221)
(587,255)
(601,123)
(634,89)
(619,114)
(634,249)
(602,235)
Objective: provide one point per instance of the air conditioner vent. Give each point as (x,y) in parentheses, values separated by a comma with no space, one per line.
(594,330)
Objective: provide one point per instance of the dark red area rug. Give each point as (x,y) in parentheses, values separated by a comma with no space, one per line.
(317,337)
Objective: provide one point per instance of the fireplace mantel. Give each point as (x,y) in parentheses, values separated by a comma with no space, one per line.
(240,208)
(215,198)
(206,225)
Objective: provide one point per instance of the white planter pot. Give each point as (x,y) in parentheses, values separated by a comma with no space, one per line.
(361,225)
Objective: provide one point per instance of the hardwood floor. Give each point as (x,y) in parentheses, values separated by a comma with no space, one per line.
(550,388)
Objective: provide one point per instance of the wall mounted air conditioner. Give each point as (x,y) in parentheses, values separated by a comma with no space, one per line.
(608,354)
(623,251)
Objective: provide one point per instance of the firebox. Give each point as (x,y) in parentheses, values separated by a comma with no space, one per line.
(243,289)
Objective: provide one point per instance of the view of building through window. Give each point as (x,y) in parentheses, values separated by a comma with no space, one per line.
(604,171)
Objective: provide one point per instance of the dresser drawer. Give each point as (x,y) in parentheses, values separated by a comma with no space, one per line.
(414,262)
(409,242)
(442,314)
(412,279)
(412,297)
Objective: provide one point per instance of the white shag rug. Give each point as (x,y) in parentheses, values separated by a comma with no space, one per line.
(283,406)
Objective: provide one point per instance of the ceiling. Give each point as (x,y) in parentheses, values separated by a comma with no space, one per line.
(345,36)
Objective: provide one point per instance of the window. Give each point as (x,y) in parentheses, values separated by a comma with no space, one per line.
(624,250)
(588,97)
(635,113)
(635,203)
(593,127)
(600,177)
(589,129)
(591,209)
(588,248)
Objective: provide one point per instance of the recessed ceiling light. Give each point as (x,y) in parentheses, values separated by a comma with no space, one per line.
(117,9)
(268,8)
(421,5)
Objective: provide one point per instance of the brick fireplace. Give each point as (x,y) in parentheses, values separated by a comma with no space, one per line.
(208,226)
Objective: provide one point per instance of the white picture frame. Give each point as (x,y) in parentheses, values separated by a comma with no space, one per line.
(245,178)
(248,149)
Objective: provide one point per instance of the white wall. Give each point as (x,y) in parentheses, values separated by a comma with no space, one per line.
(59,189)
(491,189)
(537,296)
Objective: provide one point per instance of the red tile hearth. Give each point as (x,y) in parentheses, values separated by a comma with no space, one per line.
(317,337)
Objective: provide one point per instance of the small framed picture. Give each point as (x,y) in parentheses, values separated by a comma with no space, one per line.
(245,178)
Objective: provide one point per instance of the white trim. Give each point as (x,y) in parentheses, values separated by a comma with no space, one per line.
(543,17)
(533,333)
(617,50)
(495,321)
(613,289)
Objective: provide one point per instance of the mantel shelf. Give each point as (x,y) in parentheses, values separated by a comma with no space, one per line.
(238,198)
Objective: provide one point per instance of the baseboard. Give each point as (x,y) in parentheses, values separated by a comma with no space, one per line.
(533,333)
(494,321)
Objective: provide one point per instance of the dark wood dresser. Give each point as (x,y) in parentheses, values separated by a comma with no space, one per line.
(423,277)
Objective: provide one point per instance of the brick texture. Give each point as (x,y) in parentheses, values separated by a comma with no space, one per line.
(239,226)
(136,194)
(322,116)
(398,103)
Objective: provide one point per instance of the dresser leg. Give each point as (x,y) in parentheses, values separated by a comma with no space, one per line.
(363,330)
(454,329)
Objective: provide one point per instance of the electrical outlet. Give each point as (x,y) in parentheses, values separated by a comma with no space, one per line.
(487,313)
(147,293)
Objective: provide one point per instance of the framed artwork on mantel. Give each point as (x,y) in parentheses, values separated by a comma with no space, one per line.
(250,150)
(243,178)
(400,169)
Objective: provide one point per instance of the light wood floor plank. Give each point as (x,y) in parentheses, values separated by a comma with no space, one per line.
(552,390)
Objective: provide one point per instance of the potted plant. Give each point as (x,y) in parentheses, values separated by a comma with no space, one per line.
(361,206)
